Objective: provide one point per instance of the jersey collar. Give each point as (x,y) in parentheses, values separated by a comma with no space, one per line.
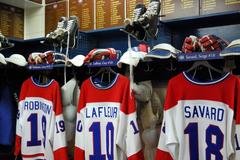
(41,85)
(189,78)
(98,86)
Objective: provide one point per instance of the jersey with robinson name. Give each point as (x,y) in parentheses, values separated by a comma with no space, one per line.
(200,120)
(40,132)
(106,126)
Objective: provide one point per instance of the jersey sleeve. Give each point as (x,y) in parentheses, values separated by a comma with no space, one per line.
(237,122)
(79,151)
(167,136)
(18,130)
(128,137)
(18,138)
(57,129)
(162,152)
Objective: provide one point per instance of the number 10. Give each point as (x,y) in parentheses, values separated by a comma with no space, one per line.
(95,129)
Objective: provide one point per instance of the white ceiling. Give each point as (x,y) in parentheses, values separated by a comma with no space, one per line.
(21,3)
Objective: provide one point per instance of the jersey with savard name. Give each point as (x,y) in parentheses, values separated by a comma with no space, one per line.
(106,127)
(40,132)
(201,120)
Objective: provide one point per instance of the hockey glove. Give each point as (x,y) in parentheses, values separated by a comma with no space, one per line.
(212,43)
(190,44)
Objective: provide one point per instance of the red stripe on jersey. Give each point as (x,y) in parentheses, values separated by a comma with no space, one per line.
(17,147)
(60,154)
(33,155)
(179,88)
(162,155)
(137,156)
(57,103)
(128,106)
(237,101)
(79,154)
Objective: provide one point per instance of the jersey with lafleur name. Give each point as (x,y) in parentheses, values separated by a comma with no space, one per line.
(106,126)
(40,132)
(201,120)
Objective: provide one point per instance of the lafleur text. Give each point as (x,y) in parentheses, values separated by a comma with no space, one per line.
(201,111)
(37,105)
(97,112)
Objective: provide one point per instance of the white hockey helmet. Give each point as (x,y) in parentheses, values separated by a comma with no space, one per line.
(131,57)
(233,49)
(162,51)
(2,59)
(17,59)
(77,60)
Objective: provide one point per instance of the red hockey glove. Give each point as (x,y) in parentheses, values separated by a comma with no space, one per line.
(190,44)
(100,54)
(212,43)
(47,57)
(89,56)
(30,59)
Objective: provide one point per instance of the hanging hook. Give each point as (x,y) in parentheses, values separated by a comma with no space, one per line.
(172,68)
(89,71)
(55,47)
(149,69)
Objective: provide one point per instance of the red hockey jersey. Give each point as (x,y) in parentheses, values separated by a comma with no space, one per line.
(40,131)
(106,126)
(200,120)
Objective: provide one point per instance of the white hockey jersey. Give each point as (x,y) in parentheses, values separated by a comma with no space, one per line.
(106,126)
(40,131)
(200,120)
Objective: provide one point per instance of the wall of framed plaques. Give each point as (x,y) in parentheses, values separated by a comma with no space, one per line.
(95,14)
(104,14)
(85,13)
(53,12)
(11,21)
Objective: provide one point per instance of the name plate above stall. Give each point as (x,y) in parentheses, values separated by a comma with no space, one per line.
(198,56)
(103,63)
